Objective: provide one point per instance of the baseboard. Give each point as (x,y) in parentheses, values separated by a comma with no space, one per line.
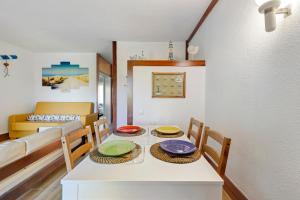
(4,137)
(233,191)
(25,185)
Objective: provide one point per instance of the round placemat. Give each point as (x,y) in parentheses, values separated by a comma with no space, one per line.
(103,159)
(141,132)
(155,133)
(160,154)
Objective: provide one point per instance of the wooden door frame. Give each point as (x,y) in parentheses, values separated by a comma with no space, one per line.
(151,63)
(114,85)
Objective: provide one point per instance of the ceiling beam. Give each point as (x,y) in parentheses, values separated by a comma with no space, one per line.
(202,19)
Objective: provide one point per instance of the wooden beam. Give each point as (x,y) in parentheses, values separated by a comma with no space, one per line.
(28,183)
(186,50)
(21,163)
(103,65)
(114,85)
(151,63)
(164,63)
(4,137)
(202,19)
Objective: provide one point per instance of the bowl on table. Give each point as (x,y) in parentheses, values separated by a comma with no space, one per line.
(178,147)
(168,130)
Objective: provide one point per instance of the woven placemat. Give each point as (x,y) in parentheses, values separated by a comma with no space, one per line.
(155,133)
(100,158)
(141,132)
(160,154)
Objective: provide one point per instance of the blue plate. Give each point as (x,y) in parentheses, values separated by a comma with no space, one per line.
(178,147)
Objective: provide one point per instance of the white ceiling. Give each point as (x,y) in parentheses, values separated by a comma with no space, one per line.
(91,25)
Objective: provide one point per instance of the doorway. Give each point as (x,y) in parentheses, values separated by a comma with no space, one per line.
(104,89)
(104,96)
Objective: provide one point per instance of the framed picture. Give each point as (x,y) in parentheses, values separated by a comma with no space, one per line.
(65,76)
(168,84)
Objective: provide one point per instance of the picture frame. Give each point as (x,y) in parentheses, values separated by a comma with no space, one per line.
(168,84)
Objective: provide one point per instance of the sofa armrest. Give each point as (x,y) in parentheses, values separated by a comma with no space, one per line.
(18,117)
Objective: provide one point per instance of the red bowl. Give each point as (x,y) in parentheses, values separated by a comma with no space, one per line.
(129,129)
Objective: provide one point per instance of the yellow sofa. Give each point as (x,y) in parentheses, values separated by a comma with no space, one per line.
(19,126)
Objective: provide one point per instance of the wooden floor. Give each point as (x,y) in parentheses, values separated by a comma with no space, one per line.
(50,188)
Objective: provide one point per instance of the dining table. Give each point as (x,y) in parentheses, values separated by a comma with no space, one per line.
(144,178)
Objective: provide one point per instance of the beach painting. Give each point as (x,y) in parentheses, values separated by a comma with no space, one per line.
(65,76)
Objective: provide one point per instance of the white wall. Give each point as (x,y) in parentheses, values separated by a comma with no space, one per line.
(84,93)
(253,96)
(16,92)
(152,51)
(148,110)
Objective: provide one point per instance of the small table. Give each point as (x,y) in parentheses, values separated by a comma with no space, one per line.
(151,179)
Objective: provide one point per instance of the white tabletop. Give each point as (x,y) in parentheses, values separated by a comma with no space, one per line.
(149,170)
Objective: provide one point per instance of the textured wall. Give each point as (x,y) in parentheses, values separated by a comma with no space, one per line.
(253,96)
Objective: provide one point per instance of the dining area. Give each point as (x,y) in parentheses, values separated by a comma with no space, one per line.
(145,162)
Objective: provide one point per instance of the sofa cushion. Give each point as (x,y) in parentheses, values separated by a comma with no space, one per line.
(41,139)
(32,125)
(53,118)
(78,108)
(11,151)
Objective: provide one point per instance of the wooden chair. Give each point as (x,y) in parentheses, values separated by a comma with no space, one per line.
(219,159)
(195,134)
(101,129)
(72,156)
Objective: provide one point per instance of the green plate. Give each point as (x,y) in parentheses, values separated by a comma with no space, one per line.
(116,147)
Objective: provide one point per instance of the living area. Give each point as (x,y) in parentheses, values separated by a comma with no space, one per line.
(160,99)
(38,110)
(34,115)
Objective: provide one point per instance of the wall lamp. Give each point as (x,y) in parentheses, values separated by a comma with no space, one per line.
(272,7)
(7,58)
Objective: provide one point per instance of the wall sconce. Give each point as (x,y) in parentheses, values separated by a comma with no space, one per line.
(272,7)
(6,58)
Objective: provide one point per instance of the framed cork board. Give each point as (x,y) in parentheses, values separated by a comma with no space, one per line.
(168,84)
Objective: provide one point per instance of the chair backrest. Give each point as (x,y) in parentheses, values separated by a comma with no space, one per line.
(195,134)
(101,129)
(220,159)
(72,156)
